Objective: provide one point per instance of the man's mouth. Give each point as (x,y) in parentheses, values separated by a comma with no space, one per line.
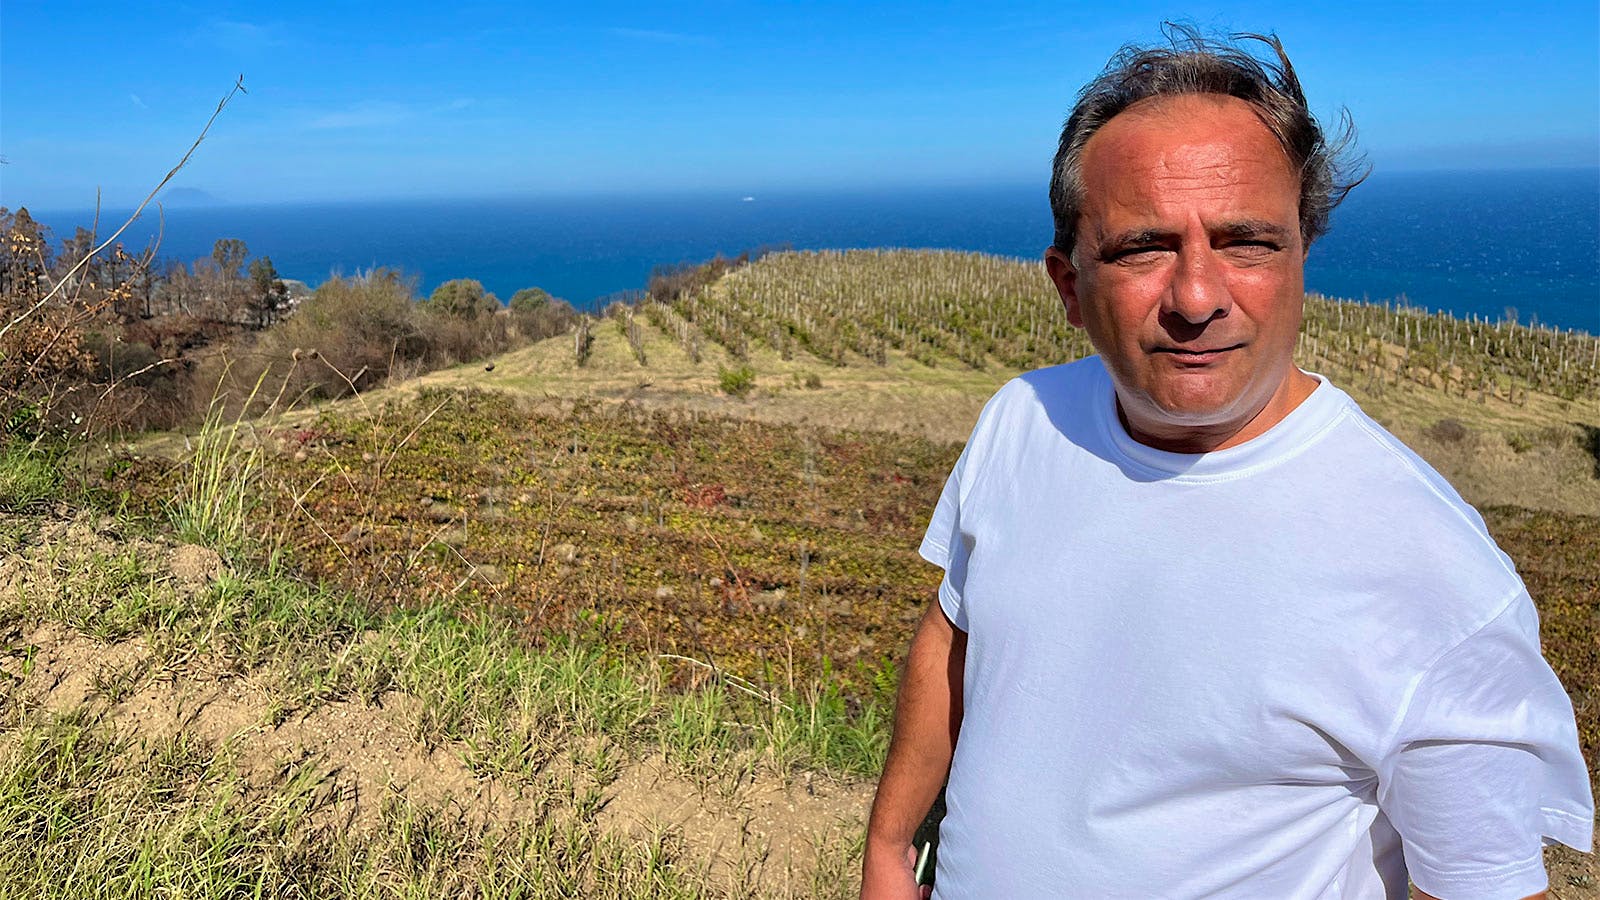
(1197,355)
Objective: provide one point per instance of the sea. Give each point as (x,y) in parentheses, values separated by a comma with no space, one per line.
(1489,244)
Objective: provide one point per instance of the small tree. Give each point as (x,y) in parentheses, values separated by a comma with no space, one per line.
(268,295)
(229,255)
(462,298)
(528,300)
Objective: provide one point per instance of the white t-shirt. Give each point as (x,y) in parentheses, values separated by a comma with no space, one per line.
(1299,667)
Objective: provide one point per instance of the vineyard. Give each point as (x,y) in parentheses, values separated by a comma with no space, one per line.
(940,308)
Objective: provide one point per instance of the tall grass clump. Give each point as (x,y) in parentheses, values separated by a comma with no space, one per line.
(215,496)
(30,475)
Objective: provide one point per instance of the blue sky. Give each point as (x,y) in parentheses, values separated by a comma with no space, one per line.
(404,99)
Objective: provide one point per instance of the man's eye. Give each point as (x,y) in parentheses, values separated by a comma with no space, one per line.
(1136,254)
(1252,248)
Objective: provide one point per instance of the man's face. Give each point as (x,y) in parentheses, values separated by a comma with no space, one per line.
(1188,271)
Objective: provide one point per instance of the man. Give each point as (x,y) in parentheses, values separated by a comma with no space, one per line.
(1205,628)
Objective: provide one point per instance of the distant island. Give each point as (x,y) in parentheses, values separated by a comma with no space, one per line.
(188,196)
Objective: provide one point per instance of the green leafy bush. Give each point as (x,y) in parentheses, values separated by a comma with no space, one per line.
(463,298)
(737,382)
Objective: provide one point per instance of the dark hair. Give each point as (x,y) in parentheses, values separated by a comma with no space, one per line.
(1193,64)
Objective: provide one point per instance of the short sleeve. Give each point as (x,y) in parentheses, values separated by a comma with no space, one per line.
(944,546)
(1485,766)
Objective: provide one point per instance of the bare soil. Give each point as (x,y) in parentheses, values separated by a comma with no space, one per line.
(764,833)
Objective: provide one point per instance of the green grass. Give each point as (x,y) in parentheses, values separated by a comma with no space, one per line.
(30,476)
(215,496)
(88,813)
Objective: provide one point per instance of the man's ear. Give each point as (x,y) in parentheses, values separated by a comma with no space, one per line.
(1065,276)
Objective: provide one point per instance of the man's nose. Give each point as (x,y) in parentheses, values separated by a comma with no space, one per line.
(1198,293)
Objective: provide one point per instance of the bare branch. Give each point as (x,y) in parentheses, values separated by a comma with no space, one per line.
(238,87)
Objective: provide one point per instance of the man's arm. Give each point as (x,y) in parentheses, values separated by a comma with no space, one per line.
(927,718)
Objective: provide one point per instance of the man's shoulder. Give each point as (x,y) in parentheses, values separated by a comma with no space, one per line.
(1373,460)
(1069,387)
(1394,506)
(1058,398)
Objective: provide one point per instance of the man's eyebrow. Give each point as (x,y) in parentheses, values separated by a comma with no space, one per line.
(1133,237)
(1241,229)
(1253,228)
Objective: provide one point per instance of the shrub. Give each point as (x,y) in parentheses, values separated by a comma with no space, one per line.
(461,298)
(545,320)
(1448,431)
(451,340)
(356,326)
(737,382)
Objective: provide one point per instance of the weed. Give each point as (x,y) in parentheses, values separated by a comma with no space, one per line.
(16,532)
(115,683)
(736,382)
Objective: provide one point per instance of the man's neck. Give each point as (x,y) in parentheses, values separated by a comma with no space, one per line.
(1206,439)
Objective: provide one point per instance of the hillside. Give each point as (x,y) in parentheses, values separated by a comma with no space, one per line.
(647,583)
(914,342)
(741,478)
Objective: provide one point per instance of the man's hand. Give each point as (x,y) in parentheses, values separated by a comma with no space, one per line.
(926,721)
(885,878)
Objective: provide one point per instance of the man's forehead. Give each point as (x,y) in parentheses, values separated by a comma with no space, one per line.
(1169,125)
(1183,143)
(1199,104)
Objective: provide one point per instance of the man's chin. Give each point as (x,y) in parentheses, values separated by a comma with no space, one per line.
(1198,410)
(1184,418)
